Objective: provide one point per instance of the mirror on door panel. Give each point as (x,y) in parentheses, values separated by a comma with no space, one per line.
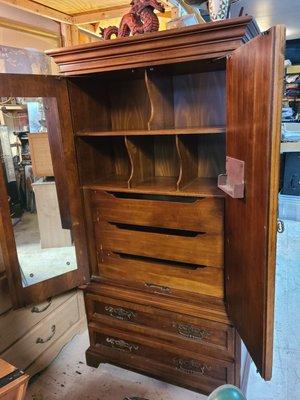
(43,247)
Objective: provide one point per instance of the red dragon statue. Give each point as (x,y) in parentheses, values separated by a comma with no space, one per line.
(140,19)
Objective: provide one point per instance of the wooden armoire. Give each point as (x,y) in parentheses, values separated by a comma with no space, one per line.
(167,148)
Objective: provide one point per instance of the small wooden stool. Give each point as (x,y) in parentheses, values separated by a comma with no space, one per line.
(13,382)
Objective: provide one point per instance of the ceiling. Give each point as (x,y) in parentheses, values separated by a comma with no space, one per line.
(79,6)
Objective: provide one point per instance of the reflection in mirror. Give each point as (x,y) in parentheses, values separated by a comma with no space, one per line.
(44,248)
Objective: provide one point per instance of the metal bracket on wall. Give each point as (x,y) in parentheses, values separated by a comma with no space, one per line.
(232,183)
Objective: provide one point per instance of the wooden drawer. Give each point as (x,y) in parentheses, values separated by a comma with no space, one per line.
(185,230)
(196,334)
(44,334)
(191,213)
(193,370)
(164,277)
(25,318)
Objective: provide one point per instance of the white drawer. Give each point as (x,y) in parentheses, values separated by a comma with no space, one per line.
(45,333)
(16,323)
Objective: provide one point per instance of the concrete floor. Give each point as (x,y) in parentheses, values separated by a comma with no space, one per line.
(40,264)
(69,378)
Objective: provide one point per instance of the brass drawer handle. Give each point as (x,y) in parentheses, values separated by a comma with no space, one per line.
(41,340)
(36,309)
(121,344)
(191,366)
(160,289)
(120,313)
(191,332)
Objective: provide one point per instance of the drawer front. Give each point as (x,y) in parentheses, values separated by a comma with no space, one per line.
(161,244)
(193,214)
(185,364)
(164,277)
(190,233)
(26,318)
(44,334)
(197,334)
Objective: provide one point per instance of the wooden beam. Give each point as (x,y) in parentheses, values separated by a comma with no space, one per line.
(90,30)
(33,30)
(66,34)
(100,14)
(36,8)
(74,35)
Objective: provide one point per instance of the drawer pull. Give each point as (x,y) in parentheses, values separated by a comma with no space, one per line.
(190,366)
(41,340)
(36,309)
(160,289)
(120,313)
(121,344)
(191,332)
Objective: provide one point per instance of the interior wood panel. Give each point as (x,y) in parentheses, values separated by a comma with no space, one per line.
(89,106)
(129,103)
(254,91)
(160,91)
(199,99)
(153,157)
(103,159)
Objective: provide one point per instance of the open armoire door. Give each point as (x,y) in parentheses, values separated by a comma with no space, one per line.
(52,95)
(255,74)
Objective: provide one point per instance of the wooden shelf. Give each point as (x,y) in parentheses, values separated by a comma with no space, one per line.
(113,183)
(174,131)
(200,187)
(208,186)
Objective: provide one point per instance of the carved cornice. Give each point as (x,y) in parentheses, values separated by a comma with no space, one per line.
(211,40)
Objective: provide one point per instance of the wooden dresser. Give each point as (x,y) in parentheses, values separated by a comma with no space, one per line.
(171,151)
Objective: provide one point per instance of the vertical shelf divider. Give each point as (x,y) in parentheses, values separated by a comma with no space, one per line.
(142,167)
(127,145)
(160,92)
(187,151)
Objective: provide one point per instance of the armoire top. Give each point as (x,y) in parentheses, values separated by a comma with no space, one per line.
(202,41)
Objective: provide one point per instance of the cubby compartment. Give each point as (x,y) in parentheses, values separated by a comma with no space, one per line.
(188,98)
(103,161)
(202,160)
(110,102)
(155,162)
